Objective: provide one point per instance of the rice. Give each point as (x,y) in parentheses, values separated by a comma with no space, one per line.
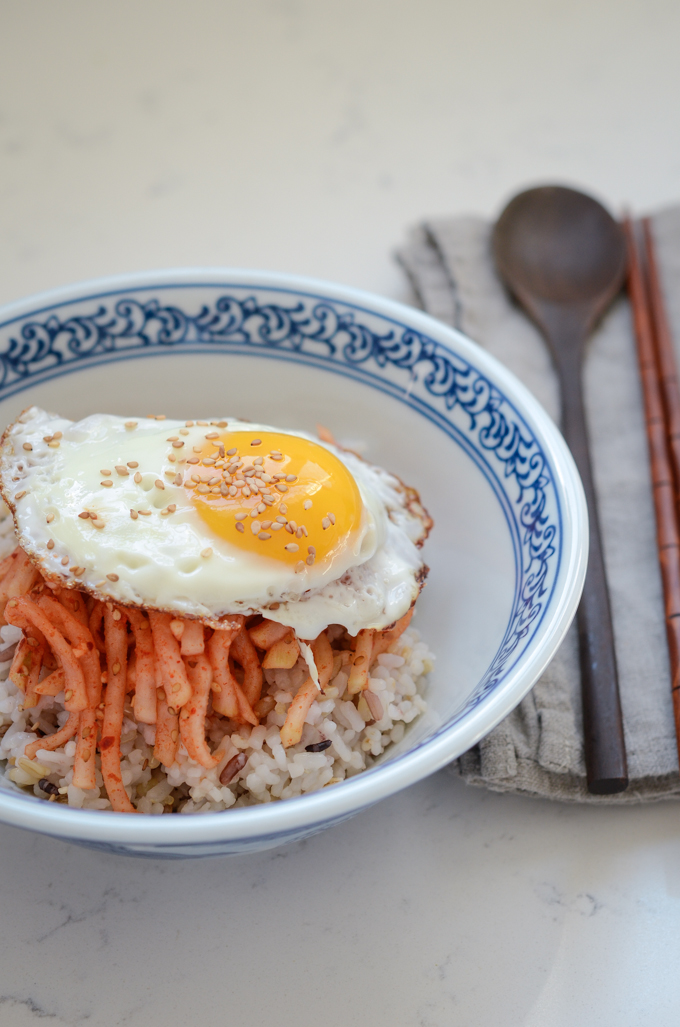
(397,679)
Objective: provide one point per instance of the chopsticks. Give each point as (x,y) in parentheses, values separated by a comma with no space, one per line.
(661,396)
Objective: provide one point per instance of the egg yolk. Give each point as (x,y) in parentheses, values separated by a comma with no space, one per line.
(276,495)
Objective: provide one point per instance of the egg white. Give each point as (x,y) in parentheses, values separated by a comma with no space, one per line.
(157,560)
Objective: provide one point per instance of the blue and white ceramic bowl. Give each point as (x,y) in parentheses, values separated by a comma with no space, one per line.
(508,551)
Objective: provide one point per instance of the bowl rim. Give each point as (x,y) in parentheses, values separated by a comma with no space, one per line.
(330,805)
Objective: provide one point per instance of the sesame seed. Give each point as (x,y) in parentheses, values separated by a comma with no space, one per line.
(98,522)
(311,550)
(283,508)
(202,489)
(267,500)
(310,560)
(183,431)
(107,484)
(133,463)
(281,487)
(144,513)
(196,449)
(208,461)
(291,477)
(266,524)
(299,532)
(231,452)
(171,458)
(85,515)
(263,536)
(28,447)
(134,515)
(256,442)
(189,485)
(193,460)
(177,445)
(53,445)
(307,505)
(213,435)
(325,523)
(177,480)
(239,527)
(299,567)
(255,527)
(292,547)
(50,543)
(276,526)
(202,424)
(131,424)
(281,520)
(189,424)
(64,561)
(172,438)
(116,666)
(206,553)
(47,438)
(57,435)
(159,484)
(216,490)
(290,529)
(68,695)
(258,460)
(232,490)
(112,577)
(137,477)
(122,471)
(171,507)
(160,417)
(331,517)
(105,473)
(241,516)
(293,525)
(261,508)
(49,518)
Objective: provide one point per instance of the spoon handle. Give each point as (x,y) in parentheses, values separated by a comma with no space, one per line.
(605,750)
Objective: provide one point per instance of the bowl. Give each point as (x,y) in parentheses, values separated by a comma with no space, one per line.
(508,551)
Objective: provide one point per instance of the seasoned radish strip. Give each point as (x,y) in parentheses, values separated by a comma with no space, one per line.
(282,655)
(84,767)
(53,684)
(323,658)
(52,742)
(145,673)
(96,623)
(192,643)
(358,675)
(24,612)
(173,671)
(244,652)
(74,603)
(266,634)
(225,699)
(382,640)
(77,632)
(167,732)
(192,715)
(291,732)
(115,637)
(28,654)
(21,576)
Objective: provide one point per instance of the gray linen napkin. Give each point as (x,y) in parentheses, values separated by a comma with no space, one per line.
(538,749)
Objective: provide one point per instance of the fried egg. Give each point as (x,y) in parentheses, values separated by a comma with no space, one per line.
(210,518)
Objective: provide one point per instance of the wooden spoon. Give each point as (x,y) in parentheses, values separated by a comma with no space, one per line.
(564,257)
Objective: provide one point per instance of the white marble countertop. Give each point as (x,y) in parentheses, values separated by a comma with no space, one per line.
(305,136)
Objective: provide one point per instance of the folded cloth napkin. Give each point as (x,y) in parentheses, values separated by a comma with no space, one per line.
(538,749)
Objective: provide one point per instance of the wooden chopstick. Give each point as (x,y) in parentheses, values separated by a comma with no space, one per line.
(659,389)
